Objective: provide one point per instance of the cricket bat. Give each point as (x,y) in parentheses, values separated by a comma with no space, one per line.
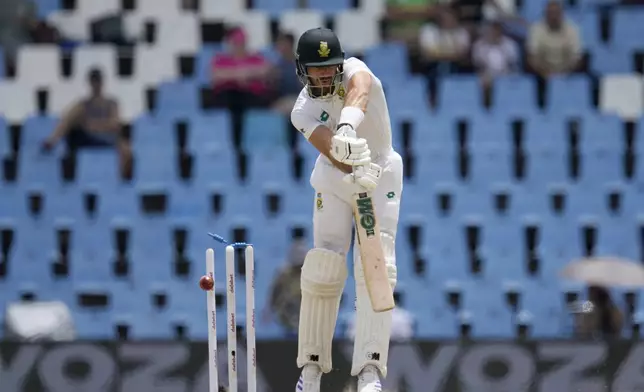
(371,253)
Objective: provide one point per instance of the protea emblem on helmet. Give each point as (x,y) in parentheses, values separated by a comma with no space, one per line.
(324,50)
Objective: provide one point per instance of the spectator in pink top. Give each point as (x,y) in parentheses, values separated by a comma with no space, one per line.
(240,79)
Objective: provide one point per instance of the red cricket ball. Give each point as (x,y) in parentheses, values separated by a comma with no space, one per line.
(206,283)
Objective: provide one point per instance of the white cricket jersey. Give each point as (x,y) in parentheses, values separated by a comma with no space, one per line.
(309,113)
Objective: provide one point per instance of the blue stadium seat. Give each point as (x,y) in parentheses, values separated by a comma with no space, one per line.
(602,145)
(435,320)
(118,205)
(330,6)
(588,22)
(155,158)
(13,204)
(439,166)
(98,170)
(203,63)
(515,95)
(39,171)
(490,165)
(265,140)
(485,308)
(388,61)
(460,96)
(274,7)
(503,248)
(546,305)
(34,131)
(545,133)
(568,95)
(627,27)
(33,250)
(618,237)
(152,133)
(612,59)
(211,132)
(177,99)
(409,96)
(64,205)
(431,132)
(489,131)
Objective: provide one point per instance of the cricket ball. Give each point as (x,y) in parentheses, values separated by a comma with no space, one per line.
(206,283)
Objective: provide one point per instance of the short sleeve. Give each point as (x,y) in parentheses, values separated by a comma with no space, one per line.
(302,119)
(353,66)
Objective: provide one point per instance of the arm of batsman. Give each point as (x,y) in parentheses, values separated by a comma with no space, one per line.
(367,176)
(348,149)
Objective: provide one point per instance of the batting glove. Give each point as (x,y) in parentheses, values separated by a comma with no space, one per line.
(367,176)
(348,149)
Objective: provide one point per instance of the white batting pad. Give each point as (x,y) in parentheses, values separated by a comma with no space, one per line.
(372,330)
(323,277)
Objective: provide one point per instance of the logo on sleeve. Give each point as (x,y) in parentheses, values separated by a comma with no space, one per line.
(324,116)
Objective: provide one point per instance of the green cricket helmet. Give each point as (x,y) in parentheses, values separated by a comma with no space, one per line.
(319,47)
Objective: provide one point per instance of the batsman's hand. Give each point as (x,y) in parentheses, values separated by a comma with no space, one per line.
(367,176)
(348,149)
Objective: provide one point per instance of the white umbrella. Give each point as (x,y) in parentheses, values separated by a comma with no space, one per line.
(606,271)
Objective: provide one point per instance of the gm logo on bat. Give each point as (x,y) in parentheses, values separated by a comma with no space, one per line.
(366,216)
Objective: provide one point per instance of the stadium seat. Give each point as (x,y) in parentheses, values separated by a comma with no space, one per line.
(515,95)
(34,131)
(163,9)
(626,26)
(165,68)
(611,60)
(568,95)
(406,96)
(275,7)
(179,33)
(357,31)
(256,23)
(330,7)
(219,10)
(31,73)
(297,21)
(459,96)
(88,10)
(97,171)
(103,57)
(18,101)
(622,95)
(388,61)
(64,94)
(130,97)
(178,99)
(70,24)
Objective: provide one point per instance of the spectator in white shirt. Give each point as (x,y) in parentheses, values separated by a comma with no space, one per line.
(447,44)
(495,54)
(554,45)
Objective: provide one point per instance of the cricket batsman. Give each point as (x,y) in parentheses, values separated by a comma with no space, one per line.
(342,111)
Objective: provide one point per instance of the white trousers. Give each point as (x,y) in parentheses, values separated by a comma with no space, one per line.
(332,230)
(333,214)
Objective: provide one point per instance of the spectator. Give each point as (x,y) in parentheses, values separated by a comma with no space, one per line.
(405,17)
(240,79)
(288,84)
(494,54)
(554,46)
(600,317)
(93,122)
(285,293)
(444,47)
